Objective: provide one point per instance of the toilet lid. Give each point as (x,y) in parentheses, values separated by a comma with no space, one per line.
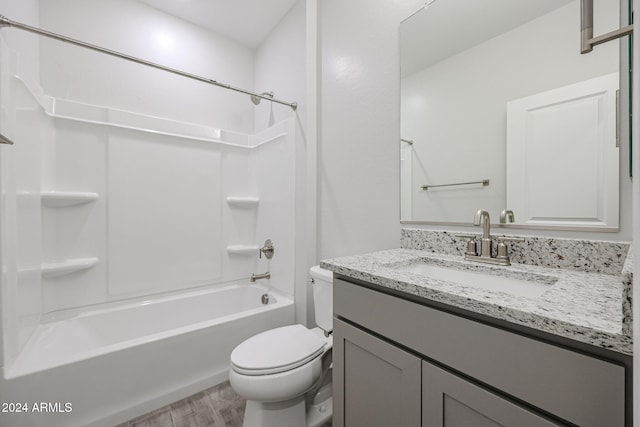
(276,350)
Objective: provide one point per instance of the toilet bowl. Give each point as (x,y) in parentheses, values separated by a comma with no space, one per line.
(285,373)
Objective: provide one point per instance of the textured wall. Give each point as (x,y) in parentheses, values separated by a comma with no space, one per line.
(359,165)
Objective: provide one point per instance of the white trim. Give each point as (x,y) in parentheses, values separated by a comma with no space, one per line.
(101,115)
(69,266)
(61,199)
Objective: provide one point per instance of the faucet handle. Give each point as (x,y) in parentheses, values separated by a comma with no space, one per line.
(472,246)
(507,216)
(267,249)
(503,253)
(466,235)
(510,239)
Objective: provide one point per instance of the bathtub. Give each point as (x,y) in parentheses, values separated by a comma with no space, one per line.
(104,366)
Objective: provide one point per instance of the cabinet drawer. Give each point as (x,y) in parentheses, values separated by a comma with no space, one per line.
(573,386)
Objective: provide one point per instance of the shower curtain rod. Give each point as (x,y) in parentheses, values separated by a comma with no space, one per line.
(6,22)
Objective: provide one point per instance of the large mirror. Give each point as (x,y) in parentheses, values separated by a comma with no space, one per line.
(501,111)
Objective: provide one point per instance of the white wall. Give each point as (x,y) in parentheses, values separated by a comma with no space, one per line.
(280,67)
(359,178)
(25,47)
(136,29)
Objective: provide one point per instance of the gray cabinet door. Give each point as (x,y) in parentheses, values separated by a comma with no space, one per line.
(376,384)
(450,401)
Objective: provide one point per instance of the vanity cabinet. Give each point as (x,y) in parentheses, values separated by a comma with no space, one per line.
(403,363)
(373,370)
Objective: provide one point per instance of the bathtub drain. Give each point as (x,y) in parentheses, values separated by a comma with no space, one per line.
(265,299)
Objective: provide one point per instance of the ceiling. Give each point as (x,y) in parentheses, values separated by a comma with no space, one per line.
(441,30)
(248,22)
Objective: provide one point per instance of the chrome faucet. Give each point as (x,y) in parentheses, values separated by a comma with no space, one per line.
(255,277)
(482,216)
(484,252)
(507,216)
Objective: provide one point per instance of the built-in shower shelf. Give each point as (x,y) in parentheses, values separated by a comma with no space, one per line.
(61,199)
(62,268)
(243,202)
(243,249)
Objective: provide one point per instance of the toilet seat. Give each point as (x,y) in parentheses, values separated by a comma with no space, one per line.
(277,350)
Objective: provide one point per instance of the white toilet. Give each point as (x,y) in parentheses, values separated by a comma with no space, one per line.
(285,373)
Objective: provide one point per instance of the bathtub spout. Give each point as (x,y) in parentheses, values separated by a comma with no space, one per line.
(255,277)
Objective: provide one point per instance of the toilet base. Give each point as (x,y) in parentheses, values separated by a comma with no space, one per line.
(287,414)
(275,414)
(319,413)
(298,412)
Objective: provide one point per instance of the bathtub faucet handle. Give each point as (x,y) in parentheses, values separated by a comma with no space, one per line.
(267,249)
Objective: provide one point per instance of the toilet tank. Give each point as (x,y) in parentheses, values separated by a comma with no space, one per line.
(323,297)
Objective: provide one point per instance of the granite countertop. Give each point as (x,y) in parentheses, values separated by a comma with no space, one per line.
(585,307)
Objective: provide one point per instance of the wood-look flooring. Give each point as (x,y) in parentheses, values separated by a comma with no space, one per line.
(217,406)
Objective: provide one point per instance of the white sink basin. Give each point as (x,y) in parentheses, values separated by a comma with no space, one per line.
(531,286)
